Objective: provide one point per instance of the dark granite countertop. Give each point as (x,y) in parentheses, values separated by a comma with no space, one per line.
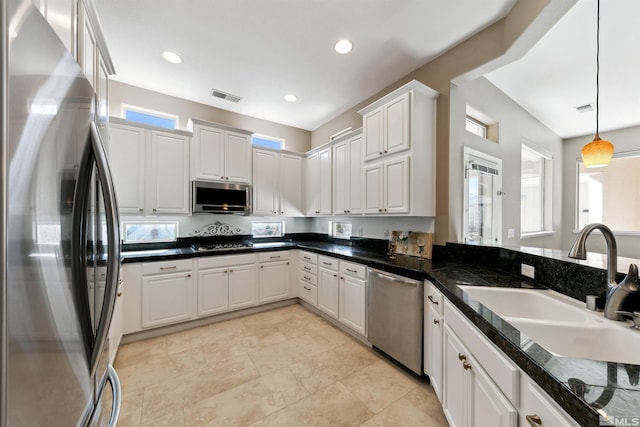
(579,386)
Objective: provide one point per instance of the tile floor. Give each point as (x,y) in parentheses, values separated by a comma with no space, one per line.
(284,367)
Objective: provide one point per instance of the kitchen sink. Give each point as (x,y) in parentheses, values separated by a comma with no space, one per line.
(543,304)
(560,324)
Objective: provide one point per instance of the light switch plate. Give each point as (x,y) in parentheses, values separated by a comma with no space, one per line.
(527,270)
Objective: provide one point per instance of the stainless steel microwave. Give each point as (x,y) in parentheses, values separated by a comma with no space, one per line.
(220,198)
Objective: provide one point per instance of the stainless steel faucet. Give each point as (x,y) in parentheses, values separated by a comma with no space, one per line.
(616,293)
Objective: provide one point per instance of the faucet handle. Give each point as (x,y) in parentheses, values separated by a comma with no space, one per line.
(635,316)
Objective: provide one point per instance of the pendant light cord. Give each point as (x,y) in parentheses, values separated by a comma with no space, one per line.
(598,70)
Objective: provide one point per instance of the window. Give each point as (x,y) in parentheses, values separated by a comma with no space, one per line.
(145,232)
(267,229)
(150,117)
(535,191)
(267,141)
(601,190)
(475,126)
(341,230)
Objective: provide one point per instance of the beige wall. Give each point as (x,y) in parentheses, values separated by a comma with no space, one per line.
(296,139)
(623,140)
(503,42)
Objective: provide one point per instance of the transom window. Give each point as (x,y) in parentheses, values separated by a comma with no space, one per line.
(267,141)
(150,117)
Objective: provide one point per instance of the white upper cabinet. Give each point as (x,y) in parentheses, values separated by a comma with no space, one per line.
(398,127)
(318,188)
(387,128)
(150,168)
(220,153)
(62,16)
(277,183)
(348,175)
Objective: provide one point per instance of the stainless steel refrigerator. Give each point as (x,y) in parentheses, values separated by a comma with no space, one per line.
(60,243)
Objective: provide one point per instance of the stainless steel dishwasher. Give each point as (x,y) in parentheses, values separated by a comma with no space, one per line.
(395,317)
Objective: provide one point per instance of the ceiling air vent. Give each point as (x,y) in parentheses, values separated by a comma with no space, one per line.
(584,108)
(226,96)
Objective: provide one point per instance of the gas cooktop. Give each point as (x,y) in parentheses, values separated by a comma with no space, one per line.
(205,247)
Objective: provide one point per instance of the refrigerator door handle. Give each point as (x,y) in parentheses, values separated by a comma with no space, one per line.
(113,245)
(112,377)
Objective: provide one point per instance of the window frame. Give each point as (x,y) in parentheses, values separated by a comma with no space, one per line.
(149,112)
(546,191)
(273,139)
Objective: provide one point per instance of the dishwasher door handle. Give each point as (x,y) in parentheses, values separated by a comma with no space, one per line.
(395,279)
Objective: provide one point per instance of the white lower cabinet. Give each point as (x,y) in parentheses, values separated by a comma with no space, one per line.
(226,283)
(167,293)
(274,276)
(471,398)
(352,295)
(433,331)
(116,328)
(328,286)
(538,409)
(308,277)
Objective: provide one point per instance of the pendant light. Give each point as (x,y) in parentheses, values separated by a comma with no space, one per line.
(599,151)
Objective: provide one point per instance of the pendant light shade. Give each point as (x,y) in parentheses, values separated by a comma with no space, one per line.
(598,152)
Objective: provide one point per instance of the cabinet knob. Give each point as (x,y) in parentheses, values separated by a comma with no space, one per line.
(379,210)
(140,210)
(385,209)
(385,151)
(436,322)
(380,152)
(155,210)
(534,420)
(262,266)
(188,275)
(462,356)
(119,294)
(281,212)
(466,366)
(226,177)
(275,212)
(231,271)
(335,275)
(432,300)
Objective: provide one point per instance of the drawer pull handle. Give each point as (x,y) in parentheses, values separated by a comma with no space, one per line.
(306,257)
(436,322)
(534,420)
(466,366)
(462,357)
(275,257)
(173,267)
(432,300)
(307,278)
(307,288)
(327,263)
(352,271)
(307,268)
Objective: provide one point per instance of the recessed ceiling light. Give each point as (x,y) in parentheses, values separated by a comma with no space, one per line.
(343,46)
(172,57)
(290,98)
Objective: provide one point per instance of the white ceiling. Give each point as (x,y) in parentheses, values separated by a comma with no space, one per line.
(262,50)
(559,72)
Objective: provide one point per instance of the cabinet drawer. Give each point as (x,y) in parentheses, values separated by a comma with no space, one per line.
(308,268)
(309,277)
(308,292)
(354,270)
(166,266)
(225,261)
(433,297)
(537,402)
(309,257)
(326,262)
(502,370)
(273,256)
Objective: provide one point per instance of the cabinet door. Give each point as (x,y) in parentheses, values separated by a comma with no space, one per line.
(313,190)
(489,407)
(396,186)
(456,390)
(86,45)
(168,184)
(433,348)
(242,286)
(352,303)
(324,182)
(208,153)
(373,134)
(102,96)
(355,194)
(274,281)
(535,402)
(328,292)
(265,183)
(127,156)
(166,299)
(132,303)
(341,178)
(213,291)
(290,185)
(397,136)
(115,330)
(373,191)
(237,167)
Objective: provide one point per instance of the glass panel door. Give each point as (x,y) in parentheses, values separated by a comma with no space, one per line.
(482,220)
